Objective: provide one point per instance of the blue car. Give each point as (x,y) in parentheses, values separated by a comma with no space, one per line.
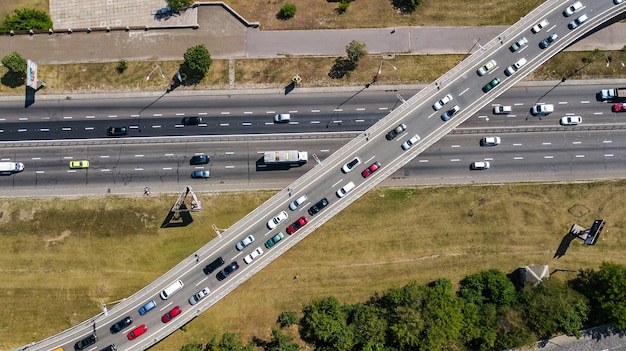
(147,307)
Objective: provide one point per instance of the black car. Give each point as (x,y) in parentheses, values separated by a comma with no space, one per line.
(213,266)
(394,133)
(84,343)
(117,131)
(117,327)
(199,160)
(318,206)
(192,121)
(110,348)
(233,266)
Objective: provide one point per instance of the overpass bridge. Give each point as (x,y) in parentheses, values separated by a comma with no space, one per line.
(468,92)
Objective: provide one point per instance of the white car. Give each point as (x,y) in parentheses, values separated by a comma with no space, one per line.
(514,67)
(617,2)
(282,118)
(245,242)
(254,254)
(350,165)
(281,216)
(444,100)
(486,67)
(518,44)
(297,202)
(502,110)
(490,141)
(577,22)
(542,109)
(345,189)
(572,9)
(571,120)
(199,296)
(480,165)
(407,144)
(539,26)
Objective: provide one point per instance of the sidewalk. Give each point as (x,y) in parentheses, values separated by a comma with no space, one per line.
(228,37)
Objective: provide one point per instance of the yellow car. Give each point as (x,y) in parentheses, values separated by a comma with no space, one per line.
(79,164)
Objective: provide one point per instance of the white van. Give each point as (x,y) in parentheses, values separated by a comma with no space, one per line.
(171,289)
(345,189)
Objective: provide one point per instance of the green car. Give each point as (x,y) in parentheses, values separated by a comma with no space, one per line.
(491,84)
(276,238)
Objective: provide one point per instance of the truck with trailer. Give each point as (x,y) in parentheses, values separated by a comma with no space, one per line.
(611,94)
(7,168)
(294,158)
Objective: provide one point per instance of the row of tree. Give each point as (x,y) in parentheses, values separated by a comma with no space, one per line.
(487,312)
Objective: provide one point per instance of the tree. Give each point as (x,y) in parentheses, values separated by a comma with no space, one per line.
(287,11)
(191,347)
(490,286)
(228,342)
(369,325)
(442,316)
(355,50)
(178,5)
(286,319)
(15,63)
(281,342)
(606,290)
(324,321)
(407,5)
(26,19)
(197,63)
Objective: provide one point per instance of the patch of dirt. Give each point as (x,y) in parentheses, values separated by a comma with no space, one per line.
(58,239)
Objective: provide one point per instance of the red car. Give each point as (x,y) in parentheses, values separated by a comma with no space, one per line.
(171,314)
(137,331)
(621,107)
(371,169)
(297,225)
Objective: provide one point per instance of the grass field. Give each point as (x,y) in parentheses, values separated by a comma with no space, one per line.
(62,256)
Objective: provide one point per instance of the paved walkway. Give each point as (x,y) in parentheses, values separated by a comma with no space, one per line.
(227,36)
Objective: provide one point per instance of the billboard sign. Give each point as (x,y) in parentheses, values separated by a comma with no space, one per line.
(31,75)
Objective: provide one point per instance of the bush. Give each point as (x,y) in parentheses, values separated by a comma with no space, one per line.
(15,63)
(122,65)
(343,6)
(287,11)
(178,5)
(25,19)
(286,319)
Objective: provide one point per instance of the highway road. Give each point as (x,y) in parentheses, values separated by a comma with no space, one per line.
(324,180)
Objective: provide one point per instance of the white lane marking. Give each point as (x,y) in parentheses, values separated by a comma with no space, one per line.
(40,172)
(608,155)
(22,130)
(607,141)
(44,130)
(89,128)
(315,122)
(64,117)
(71,171)
(324,150)
(383,108)
(455,159)
(488,159)
(166,306)
(548,157)
(138,155)
(229,167)
(269,123)
(518,104)
(167,168)
(169,154)
(511,115)
(315,111)
(562,102)
(112,116)
(68,157)
(270,112)
(229,153)
(359,120)
(337,121)
(548,143)
(360,109)
(105,156)
(584,102)
(90,117)
(580,156)
(36,158)
(200,282)
(138,169)
(598,113)
(370,159)
(133,127)
(105,170)
(134,116)
(455,145)
(517,144)
(156,126)
(246,124)
(202,114)
(180,114)
(423,161)
(179,126)
(157,115)
(518,158)
(463,92)
(577,142)
(225,113)
(293,111)
(224,124)
(483,116)
(339,181)
(66,129)
(247,112)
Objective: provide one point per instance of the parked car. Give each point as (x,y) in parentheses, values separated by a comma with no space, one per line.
(539,26)
(199,160)
(121,324)
(171,314)
(490,141)
(117,131)
(514,67)
(549,40)
(281,216)
(479,165)
(502,110)
(192,121)
(79,164)
(233,266)
(444,100)
(491,84)
(350,165)
(451,112)
(577,22)
(318,206)
(409,143)
(137,332)
(254,254)
(199,296)
(572,9)
(274,240)
(371,169)
(571,120)
(282,118)
(621,107)
(519,44)
(147,307)
(293,227)
(297,202)
(486,67)
(245,242)
(86,342)
(200,174)
(394,132)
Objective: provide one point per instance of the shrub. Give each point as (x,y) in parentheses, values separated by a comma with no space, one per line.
(287,11)
(122,65)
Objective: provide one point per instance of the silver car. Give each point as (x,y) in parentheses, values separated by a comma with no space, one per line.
(409,143)
(199,296)
(299,201)
(444,100)
(245,242)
